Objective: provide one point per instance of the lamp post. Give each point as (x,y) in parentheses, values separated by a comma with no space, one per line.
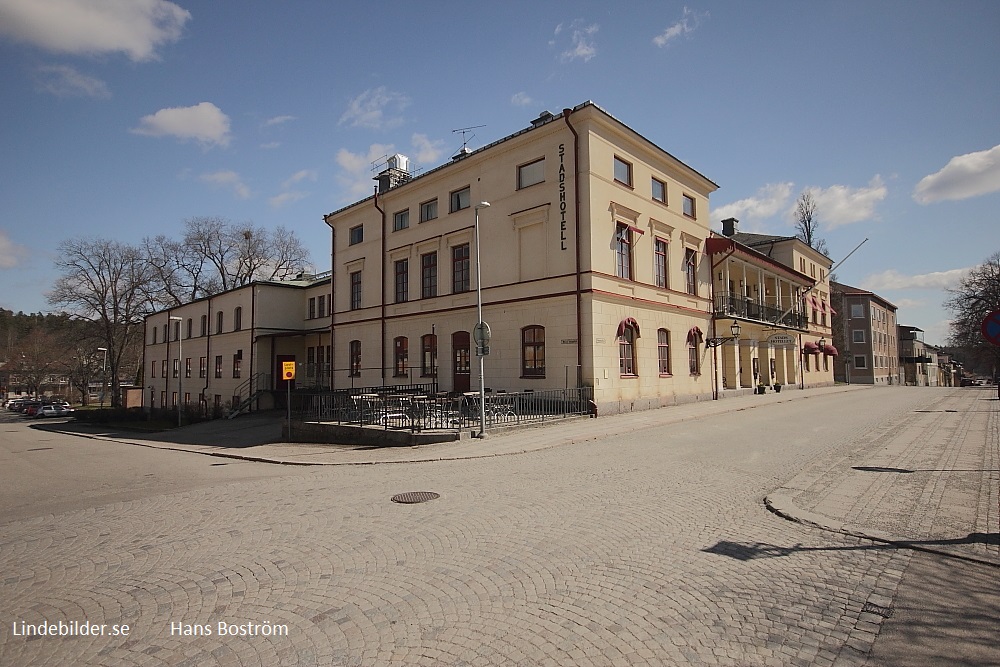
(180,372)
(734,329)
(104,374)
(482,331)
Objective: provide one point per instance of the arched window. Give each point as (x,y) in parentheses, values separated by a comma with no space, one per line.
(533,351)
(238,318)
(204,325)
(218,322)
(355,357)
(400,355)
(663,351)
(428,355)
(626,349)
(189,327)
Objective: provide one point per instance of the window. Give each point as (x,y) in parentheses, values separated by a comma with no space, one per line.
(694,363)
(402,273)
(187,367)
(238,318)
(860,362)
(460,199)
(460,268)
(429,210)
(826,363)
(356,235)
(203,367)
(310,361)
(238,364)
(663,351)
(858,336)
(312,307)
(659,189)
(623,171)
(802,265)
(163,368)
(355,357)
(428,275)
(533,351)
(152,371)
(626,351)
(689,207)
(660,262)
(321,302)
(623,251)
(400,355)
(218,322)
(355,290)
(531,173)
(177,330)
(401,220)
(428,355)
(155,329)
(204,325)
(691,271)
(218,366)
(857,310)
(188,327)
(320,359)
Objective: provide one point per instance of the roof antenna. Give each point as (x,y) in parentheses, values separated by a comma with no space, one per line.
(464,150)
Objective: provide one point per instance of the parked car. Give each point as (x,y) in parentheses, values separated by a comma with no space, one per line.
(30,408)
(52,410)
(965,382)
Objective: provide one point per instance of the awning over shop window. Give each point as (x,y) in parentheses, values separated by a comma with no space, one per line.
(832,311)
(830,350)
(814,303)
(627,322)
(810,347)
(695,335)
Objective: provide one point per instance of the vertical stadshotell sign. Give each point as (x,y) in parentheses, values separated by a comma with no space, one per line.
(562,196)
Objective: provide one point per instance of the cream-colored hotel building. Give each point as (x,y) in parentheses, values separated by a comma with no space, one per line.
(598,268)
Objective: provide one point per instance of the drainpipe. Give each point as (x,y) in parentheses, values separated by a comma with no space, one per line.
(382,290)
(145,334)
(333,344)
(579,278)
(715,378)
(208,352)
(253,340)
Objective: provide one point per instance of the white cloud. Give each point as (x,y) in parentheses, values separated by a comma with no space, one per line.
(11,253)
(581,37)
(427,151)
(840,205)
(65,81)
(767,202)
(290,197)
(376,108)
(909,303)
(687,24)
(521,99)
(356,176)
(892,279)
(298,177)
(278,120)
(228,179)
(964,176)
(205,123)
(87,27)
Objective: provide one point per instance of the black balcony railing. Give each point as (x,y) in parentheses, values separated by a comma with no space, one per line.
(737,305)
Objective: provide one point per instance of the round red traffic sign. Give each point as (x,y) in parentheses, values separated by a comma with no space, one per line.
(991,327)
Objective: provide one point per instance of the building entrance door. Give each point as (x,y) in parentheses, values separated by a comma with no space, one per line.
(462,361)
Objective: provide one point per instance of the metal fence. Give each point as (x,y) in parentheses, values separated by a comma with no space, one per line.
(736,305)
(414,408)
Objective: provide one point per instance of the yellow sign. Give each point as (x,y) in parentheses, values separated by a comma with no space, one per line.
(287,370)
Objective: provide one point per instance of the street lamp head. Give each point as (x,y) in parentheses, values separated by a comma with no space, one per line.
(821,344)
(735,329)
(175,317)
(482,204)
(102,349)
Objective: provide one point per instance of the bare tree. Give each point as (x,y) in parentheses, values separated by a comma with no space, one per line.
(181,272)
(977,295)
(238,254)
(806,223)
(105,282)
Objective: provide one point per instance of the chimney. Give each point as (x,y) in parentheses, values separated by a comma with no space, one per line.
(395,173)
(730,226)
(543,118)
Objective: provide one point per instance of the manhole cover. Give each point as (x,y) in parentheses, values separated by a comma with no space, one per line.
(878,610)
(415,497)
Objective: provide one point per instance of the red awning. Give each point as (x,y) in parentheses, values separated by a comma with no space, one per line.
(627,322)
(636,229)
(814,302)
(830,350)
(810,347)
(832,311)
(695,335)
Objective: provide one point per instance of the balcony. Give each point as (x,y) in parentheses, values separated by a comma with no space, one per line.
(737,305)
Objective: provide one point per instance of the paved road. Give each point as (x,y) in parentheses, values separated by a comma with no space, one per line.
(646,547)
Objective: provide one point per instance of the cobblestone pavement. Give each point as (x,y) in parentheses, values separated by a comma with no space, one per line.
(649,546)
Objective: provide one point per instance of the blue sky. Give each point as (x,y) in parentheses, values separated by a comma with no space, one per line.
(123,118)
